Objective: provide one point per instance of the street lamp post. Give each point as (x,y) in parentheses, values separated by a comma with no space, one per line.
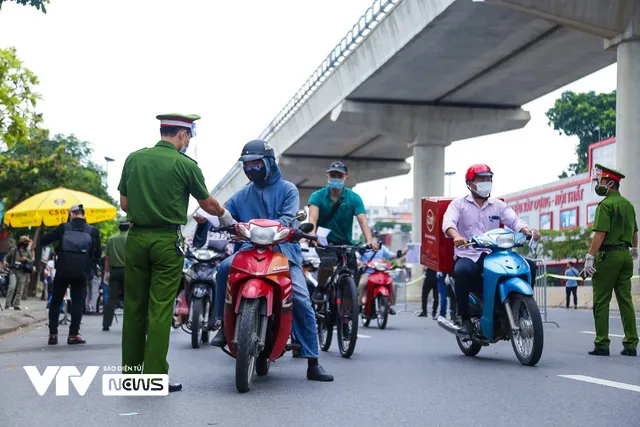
(108,160)
(449,174)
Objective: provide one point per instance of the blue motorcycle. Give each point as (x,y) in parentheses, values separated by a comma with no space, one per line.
(506,309)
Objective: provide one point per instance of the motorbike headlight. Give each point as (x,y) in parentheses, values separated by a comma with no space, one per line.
(204,255)
(262,235)
(505,241)
(380,266)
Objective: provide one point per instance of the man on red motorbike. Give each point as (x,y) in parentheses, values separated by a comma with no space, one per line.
(471,215)
(268,196)
(374,255)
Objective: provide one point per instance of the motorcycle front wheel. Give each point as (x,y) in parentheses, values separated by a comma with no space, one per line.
(195,311)
(383,311)
(529,340)
(248,325)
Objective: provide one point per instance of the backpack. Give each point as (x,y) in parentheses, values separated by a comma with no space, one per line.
(76,240)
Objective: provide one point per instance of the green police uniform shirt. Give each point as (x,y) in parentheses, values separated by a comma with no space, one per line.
(157,182)
(616,216)
(341,225)
(115,249)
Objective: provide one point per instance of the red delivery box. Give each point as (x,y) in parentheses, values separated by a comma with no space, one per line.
(436,249)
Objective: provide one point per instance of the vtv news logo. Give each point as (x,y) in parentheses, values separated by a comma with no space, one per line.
(112,384)
(62,375)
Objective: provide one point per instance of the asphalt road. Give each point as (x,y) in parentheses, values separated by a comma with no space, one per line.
(410,374)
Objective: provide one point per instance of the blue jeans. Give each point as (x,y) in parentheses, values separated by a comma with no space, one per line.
(442,290)
(304,319)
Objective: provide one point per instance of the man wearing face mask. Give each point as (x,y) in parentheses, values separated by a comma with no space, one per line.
(468,216)
(334,208)
(268,196)
(610,260)
(154,191)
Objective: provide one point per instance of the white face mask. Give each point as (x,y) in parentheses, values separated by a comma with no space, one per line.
(483,189)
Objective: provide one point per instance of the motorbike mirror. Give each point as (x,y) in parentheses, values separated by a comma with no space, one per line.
(301,215)
(306,227)
(399,253)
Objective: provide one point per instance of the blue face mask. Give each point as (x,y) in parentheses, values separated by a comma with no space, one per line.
(336,183)
(184,150)
(256,174)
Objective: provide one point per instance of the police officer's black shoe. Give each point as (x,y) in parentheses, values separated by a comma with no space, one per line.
(318,295)
(174,387)
(599,352)
(219,340)
(629,352)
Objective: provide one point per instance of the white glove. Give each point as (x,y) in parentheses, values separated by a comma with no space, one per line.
(588,265)
(634,253)
(226,219)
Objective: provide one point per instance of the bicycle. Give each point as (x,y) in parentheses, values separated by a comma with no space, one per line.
(340,306)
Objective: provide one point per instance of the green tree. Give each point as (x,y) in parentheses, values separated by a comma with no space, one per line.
(17,100)
(589,116)
(381,225)
(38,4)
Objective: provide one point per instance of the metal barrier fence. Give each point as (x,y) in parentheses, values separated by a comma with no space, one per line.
(400,284)
(540,290)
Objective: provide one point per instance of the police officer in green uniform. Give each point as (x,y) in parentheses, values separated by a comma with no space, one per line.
(154,191)
(610,261)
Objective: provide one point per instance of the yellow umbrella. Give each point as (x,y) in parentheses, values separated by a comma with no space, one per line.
(52,208)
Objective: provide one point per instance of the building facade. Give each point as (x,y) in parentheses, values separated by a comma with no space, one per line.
(565,204)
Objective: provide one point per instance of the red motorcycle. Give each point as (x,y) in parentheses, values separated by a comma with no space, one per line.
(379,289)
(259,298)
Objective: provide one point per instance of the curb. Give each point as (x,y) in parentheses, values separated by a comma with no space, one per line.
(10,324)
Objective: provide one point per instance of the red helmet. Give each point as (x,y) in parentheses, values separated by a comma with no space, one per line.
(478,169)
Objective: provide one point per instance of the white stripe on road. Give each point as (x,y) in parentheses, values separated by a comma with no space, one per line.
(608,383)
(593,333)
(359,336)
(618,317)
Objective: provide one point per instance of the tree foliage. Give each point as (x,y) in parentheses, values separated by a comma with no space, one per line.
(589,116)
(561,245)
(382,225)
(17,99)
(38,4)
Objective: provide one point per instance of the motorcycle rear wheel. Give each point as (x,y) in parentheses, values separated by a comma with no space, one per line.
(247,339)
(468,348)
(382,314)
(347,316)
(325,327)
(528,342)
(262,366)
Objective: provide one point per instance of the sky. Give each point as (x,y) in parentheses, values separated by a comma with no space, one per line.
(106,70)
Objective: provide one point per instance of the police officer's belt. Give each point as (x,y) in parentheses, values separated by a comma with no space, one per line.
(158,227)
(604,248)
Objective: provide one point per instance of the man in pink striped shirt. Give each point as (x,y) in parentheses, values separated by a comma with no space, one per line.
(469,216)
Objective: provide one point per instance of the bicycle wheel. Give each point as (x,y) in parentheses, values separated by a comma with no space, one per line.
(347,316)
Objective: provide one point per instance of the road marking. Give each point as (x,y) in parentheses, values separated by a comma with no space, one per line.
(359,336)
(608,383)
(593,333)
(618,317)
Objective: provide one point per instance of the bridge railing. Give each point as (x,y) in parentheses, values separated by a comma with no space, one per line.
(367,22)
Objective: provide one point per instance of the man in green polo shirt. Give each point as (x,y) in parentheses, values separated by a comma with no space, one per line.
(114,271)
(610,261)
(334,207)
(154,191)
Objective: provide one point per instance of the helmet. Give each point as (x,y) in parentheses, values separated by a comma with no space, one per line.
(256,150)
(478,169)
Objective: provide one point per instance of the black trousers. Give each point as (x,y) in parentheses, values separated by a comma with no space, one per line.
(78,286)
(572,290)
(429,284)
(468,277)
